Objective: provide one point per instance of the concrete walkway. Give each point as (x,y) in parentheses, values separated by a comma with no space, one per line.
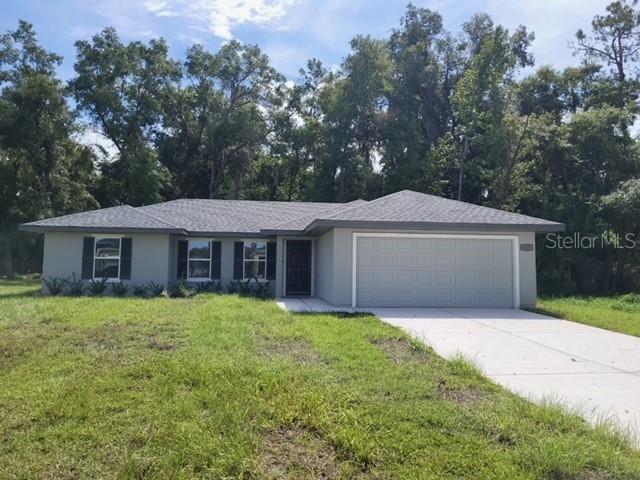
(594,371)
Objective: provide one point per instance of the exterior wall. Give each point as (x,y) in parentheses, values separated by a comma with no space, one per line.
(149,254)
(153,257)
(324,266)
(340,277)
(226,254)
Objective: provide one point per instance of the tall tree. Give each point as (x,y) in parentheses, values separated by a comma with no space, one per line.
(120,88)
(43,171)
(615,39)
(217,121)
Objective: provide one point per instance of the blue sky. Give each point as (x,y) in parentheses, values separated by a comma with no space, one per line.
(289,31)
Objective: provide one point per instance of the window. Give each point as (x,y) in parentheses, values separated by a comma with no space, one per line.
(199,259)
(106,261)
(255,260)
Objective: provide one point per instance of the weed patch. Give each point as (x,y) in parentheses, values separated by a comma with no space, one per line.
(402,350)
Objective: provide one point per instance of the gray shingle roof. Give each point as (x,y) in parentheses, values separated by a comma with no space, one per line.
(122,217)
(409,207)
(238,216)
(405,209)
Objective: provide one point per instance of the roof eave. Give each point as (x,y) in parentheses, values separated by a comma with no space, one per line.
(320,226)
(26,227)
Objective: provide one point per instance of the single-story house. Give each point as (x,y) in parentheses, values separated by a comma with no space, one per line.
(403,249)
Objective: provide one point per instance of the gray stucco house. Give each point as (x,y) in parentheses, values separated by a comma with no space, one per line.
(403,249)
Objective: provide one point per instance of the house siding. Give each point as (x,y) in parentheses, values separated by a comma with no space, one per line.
(341,275)
(324,266)
(149,256)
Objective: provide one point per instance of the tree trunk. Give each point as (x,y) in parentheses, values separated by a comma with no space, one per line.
(461,167)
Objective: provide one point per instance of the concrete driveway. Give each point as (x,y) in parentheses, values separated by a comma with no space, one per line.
(593,370)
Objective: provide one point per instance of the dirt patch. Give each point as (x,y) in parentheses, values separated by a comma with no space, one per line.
(118,337)
(295,452)
(465,397)
(157,344)
(294,350)
(401,350)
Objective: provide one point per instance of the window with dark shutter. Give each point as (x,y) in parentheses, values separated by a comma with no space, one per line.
(216,260)
(271,261)
(183,248)
(87,257)
(238,253)
(125,259)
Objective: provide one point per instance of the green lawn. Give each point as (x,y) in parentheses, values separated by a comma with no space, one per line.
(620,314)
(229,387)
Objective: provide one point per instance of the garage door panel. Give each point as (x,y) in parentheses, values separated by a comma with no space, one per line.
(438,272)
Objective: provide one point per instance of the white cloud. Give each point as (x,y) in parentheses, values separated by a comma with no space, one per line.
(220,17)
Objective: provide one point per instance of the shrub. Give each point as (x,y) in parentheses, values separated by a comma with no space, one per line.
(261,289)
(155,289)
(234,286)
(55,285)
(97,287)
(140,290)
(76,287)
(183,290)
(204,286)
(246,288)
(119,288)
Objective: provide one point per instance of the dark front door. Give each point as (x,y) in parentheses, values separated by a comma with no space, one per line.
(298,267)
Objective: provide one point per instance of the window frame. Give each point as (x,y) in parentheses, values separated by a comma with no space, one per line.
(96,238)
(189,259)
(245,260)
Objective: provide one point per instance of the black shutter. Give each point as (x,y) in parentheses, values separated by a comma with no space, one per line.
(125,259)
(88,244)
(183,248)
(216,260)
(238,253)
(271,260)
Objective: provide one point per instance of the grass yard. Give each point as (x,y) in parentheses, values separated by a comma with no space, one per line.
(619,314)
(229,387)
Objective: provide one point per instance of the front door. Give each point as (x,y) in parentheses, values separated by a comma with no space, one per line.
(298,267)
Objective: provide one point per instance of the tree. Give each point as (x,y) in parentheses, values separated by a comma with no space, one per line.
(216,123)
(479,104)
(121,88)
(615,38)
(43,171)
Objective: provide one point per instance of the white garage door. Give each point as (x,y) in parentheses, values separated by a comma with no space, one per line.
(434,272)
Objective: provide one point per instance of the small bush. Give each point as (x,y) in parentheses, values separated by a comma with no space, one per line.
(234,286)
(210,286)
(246,288)
(155,289)
(119,288)
(183,290)
(55,285)
(97,287)
(140,290)
(261,289)
(76,287)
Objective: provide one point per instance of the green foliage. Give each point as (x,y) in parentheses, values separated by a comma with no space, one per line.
(98,287)
(155,289)
(75,286)
(620,313)
(119,289)
(183,290)
(55,285)
(140,291)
